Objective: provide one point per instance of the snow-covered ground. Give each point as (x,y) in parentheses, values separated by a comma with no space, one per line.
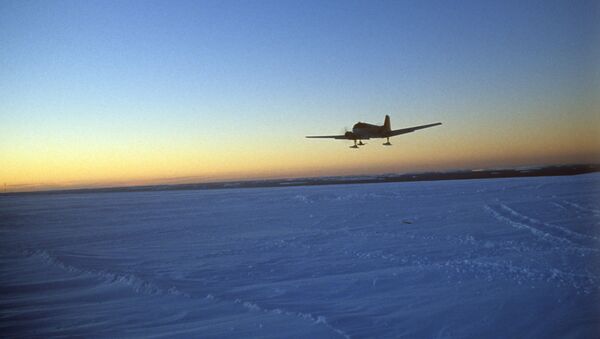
(499,258)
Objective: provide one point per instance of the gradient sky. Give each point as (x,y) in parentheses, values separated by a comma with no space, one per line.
(100,93)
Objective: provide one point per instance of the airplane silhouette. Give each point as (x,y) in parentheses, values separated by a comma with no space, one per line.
(363,131)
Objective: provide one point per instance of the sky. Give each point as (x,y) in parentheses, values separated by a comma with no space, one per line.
(105,93)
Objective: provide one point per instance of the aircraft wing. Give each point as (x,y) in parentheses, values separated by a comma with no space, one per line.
(411,129)
(329,136)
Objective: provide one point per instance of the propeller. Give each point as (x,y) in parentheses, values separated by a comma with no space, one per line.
(347,132)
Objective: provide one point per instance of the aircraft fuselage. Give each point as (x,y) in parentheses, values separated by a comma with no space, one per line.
(364,131)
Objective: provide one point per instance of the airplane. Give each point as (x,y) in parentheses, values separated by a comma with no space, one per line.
(363,131)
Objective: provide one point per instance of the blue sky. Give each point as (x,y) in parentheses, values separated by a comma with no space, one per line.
(219,80)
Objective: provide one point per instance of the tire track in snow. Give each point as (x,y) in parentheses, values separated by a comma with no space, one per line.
(558,205)
(578,207)
(538,222)
(537,232)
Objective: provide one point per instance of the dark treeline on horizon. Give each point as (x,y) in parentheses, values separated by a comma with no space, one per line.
(557,170)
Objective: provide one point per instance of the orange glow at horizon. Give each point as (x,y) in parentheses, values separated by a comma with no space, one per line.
(444,147)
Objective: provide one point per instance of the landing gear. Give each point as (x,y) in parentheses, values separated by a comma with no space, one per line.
(360,143)
(387,143)
(355,145)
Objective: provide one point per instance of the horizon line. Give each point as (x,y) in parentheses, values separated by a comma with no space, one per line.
(367,178)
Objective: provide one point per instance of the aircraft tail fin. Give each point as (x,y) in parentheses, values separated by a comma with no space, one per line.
(386,124)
